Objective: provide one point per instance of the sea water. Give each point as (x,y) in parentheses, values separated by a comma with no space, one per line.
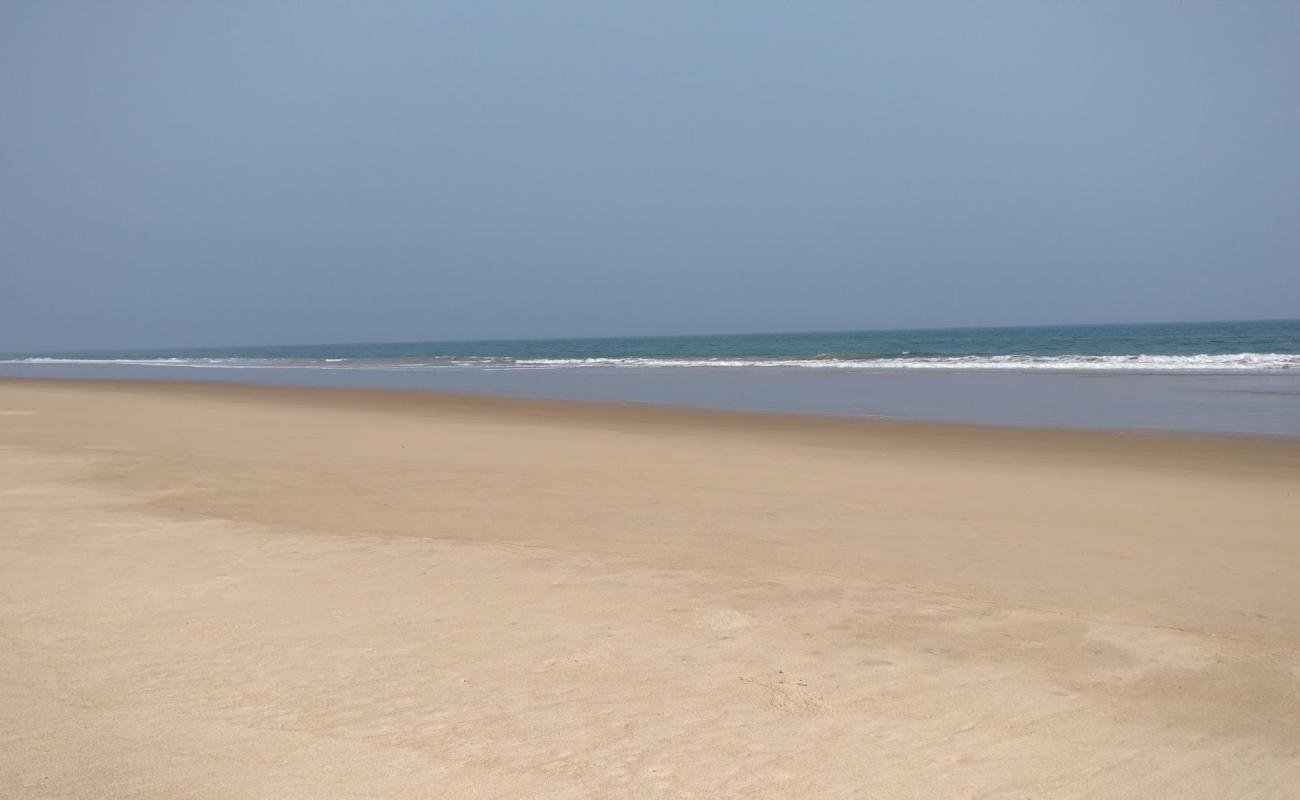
(1241,377)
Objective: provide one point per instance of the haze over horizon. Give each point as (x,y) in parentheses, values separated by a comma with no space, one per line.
(238,175)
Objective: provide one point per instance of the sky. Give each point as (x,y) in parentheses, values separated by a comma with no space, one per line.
(188,174)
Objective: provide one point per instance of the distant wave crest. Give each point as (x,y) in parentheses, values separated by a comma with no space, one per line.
(1228,362)
(1066,363)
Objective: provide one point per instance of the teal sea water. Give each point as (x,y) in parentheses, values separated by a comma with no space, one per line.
(1202,346)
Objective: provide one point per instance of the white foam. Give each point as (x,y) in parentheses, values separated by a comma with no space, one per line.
(1068,363)
(1229,362)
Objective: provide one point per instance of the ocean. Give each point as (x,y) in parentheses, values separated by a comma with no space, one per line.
(1228,377)
(1218,346)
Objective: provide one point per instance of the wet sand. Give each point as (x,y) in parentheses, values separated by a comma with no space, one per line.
(219,591)
(1260,403)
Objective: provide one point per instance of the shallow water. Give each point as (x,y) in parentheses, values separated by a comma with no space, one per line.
(1212,403)
(1224,377)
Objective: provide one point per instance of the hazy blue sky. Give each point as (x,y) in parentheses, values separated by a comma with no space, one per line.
(227,173)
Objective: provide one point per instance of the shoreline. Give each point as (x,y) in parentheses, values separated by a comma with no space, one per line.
(396,398)
(1218,404)
(216,589)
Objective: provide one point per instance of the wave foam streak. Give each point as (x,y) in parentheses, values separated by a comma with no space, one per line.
(1066,363)
(1204,362)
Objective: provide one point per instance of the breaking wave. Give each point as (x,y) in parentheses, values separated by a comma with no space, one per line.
(1225,362)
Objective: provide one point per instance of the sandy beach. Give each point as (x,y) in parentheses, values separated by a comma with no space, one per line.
(217,591)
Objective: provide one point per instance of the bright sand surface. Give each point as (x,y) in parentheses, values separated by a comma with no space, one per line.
(228,591)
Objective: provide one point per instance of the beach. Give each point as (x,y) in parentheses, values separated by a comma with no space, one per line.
(224,590)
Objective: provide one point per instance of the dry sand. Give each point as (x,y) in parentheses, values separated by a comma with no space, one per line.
(250,592)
